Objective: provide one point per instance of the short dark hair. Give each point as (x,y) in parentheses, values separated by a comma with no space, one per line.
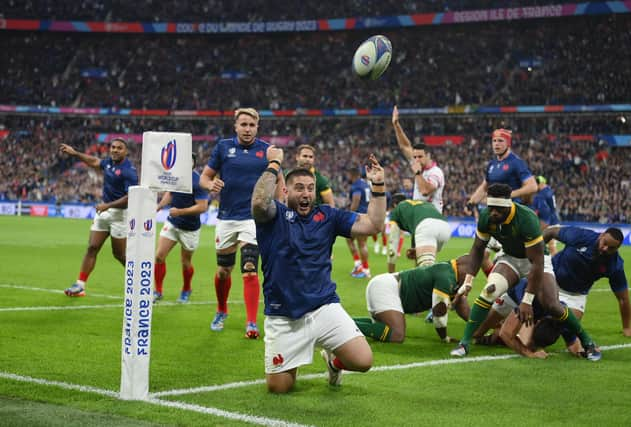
(420,146)
(615,233)
(397,198)
(119,139)
(298,172)
(546,332)
(499,190)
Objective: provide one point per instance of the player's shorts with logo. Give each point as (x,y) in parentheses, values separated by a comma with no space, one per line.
(290,343)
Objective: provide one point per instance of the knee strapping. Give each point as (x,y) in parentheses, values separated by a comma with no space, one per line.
(249,258)
(496,285)
(426,259)
(226,260)
(440,309)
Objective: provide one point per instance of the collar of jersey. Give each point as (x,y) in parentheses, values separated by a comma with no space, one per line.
(430,166)
(511,215)
(454,265)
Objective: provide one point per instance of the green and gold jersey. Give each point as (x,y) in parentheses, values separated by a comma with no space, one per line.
(418,284)
(323,186)
(519,231)
(409,213)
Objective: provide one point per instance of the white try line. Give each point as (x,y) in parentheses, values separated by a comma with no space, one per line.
(452,361)
(52,291)
(98,306)
(252,419)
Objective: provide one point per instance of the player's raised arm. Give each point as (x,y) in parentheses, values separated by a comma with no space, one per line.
(373,221)
(91,161)
(402,139)
(263,206)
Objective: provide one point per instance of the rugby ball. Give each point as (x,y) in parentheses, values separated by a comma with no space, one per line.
(372,57)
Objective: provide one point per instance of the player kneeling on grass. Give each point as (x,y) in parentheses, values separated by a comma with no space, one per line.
(183,225)
(302,308)
(390,296)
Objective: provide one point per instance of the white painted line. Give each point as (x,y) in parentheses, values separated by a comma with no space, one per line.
(96,306)
(239,384)
(58,308)
(253,419)
(53,291)
(263,421)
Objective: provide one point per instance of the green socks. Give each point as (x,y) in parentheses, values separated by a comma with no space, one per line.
(373,329)
(479,311)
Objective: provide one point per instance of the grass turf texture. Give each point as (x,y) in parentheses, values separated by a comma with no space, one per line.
(81,347)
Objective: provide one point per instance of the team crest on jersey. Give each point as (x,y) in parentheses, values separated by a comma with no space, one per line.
(169,155)
(505,167)
(117,172)
(259,154)
(278,360)
(319,217)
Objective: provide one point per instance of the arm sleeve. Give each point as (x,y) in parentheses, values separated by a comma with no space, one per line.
(344,221)
(215,159)
(618,279)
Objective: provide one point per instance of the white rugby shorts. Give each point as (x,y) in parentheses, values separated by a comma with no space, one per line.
(113,221)
(188,239)
(432,232)
(229,232)
(382,294)
(290,343)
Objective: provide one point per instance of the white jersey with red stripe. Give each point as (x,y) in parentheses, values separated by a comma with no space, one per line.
(435,175)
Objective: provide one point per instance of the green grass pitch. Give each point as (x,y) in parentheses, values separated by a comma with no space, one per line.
(60,357)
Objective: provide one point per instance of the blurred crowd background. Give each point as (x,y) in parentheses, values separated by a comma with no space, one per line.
(573,60)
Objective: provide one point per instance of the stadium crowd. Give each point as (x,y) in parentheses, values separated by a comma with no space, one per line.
(569,61)
(592,181)
(240,10)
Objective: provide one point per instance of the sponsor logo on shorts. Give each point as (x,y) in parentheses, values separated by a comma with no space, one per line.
(148,224)
(132,224)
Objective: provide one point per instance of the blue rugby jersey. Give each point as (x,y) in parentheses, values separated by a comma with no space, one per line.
(517,293)
(543,210)
(117,178)
(296,258)
(185,200)
(362,188)
(547,195)
(239,167)
(512,171)
(579,265)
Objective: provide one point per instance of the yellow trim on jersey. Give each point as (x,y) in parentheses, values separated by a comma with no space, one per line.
(454,265)
(323,192)
(533,241)
(565,315)
(483,236)
(480,302)
(511,215)
(440,293)
(385,333)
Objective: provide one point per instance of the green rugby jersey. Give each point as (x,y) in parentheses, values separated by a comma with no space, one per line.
(409,213)
(418,284)
(519,231)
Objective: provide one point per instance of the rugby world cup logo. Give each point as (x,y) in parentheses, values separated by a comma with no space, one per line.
(148,224)
(168,155)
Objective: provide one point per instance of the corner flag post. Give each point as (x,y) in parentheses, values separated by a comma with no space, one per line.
(166,166)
